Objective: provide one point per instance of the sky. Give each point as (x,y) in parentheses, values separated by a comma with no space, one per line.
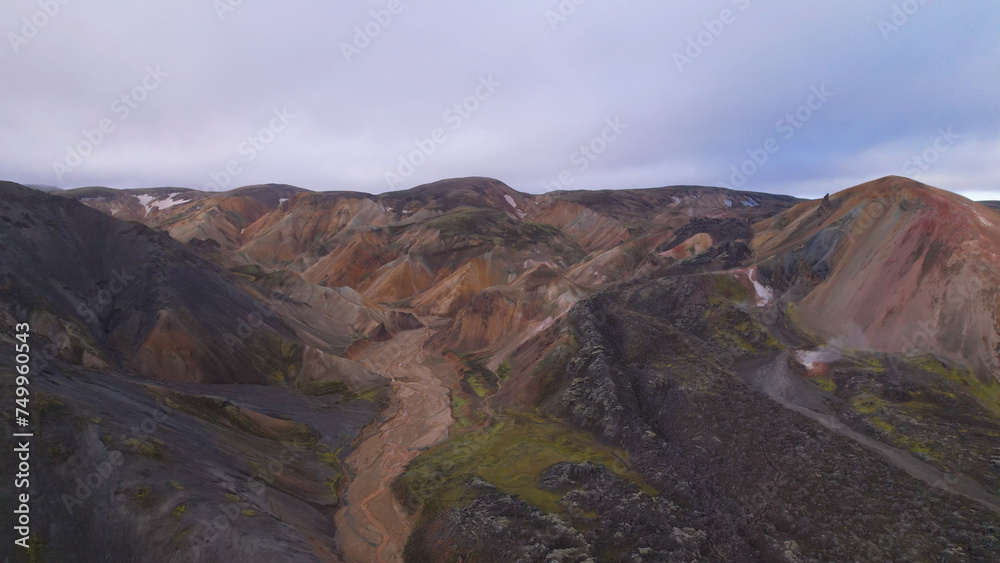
(801,97)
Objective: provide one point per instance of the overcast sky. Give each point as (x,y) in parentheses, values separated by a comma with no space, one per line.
(789,96)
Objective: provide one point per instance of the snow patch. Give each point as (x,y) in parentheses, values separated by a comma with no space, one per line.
(749,202)
(161,203)
(282,200)
(983,220)
(728,202)
(145,200)
(510,200)
(764,295)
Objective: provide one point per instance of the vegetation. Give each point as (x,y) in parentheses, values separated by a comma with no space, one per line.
(510,455)
(492,226)
(987,392)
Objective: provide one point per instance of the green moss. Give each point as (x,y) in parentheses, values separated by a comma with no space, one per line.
(232,497)
(378,396)
(333,483)
(249,513)
(329,458)
(901,440)
(326,387)
(177,485)
(459,407)
(882,425)
(826,384)
(44,403)
(178,510)
(492,226)
(874,363)
(222,412)
(510,454)
(986,392)
(476,383)
(142,496)
(36,552)
(151,448)
(504,370)
(866,403)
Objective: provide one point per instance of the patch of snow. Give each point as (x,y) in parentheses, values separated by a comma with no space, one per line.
(161,203)
(728,202)
(170,201)
(144,200)
(983,220)
(510,200)
(749,202)
(764,295)
(282,200)
(521,214)
(405,212)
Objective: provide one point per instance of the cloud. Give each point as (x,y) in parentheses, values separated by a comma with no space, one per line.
(409,63)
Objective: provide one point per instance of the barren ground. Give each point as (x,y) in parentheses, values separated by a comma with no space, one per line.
(373,526)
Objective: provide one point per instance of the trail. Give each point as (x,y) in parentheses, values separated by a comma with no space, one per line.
(772,377)
(372,526)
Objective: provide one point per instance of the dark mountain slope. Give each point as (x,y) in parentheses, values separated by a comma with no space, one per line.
(113,293)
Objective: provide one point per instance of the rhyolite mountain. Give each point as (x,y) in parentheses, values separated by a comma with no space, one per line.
(669,374)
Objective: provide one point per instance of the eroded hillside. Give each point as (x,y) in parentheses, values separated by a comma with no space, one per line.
(465,372)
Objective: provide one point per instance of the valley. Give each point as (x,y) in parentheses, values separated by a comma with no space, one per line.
(372,525)
(466,372)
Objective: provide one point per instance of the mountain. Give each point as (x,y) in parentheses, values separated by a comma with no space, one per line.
(888,263)
(135,343)
(462,371)
(43,188)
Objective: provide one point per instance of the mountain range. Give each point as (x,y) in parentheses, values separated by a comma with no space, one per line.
(465,372)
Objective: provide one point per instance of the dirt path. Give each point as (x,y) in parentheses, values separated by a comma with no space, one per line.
(373,527)
(772,377)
